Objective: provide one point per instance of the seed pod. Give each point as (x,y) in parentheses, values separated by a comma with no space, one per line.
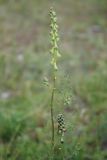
(61,126)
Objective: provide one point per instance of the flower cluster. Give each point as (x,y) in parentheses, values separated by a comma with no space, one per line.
(54,39)
(61,126)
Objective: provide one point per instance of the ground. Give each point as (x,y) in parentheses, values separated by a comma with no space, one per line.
(81,80)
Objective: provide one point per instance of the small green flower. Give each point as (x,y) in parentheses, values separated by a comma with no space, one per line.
(54,39)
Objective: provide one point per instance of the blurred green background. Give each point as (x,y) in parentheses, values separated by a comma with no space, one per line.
(81,95)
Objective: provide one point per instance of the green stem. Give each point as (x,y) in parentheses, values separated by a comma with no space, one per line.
(52,111)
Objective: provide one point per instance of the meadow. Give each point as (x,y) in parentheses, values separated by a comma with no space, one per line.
(26,75)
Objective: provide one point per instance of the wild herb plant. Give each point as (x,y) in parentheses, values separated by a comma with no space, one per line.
(54,60)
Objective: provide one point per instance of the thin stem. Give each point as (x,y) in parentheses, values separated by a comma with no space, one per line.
(52,110)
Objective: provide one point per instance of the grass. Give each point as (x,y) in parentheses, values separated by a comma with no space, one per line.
(24,62)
